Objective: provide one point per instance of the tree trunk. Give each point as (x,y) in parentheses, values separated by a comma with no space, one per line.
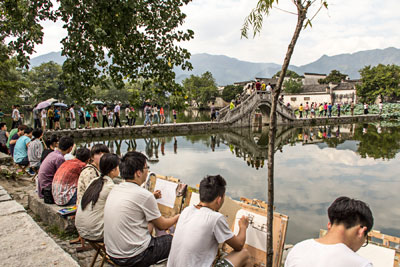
(302,11)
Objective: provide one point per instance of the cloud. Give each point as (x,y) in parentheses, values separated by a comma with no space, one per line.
(346,27)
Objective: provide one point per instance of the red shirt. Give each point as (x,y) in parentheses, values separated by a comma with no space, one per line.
(65,181)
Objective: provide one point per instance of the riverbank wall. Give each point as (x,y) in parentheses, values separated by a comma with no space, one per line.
(198,127)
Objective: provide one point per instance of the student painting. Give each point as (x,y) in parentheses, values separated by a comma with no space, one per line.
(64,186)
(207,228)
(350,221)
(89,220)
(21,148)
(3,138)
(91,170)
(51,164)
(13,137)
(128,212)
(50,144)
(35,149)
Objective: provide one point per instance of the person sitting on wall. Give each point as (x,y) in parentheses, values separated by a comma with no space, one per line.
(350,221)
(91,170)
(65,182)
(51,164)
(51,144)
(89,220)
(128,212)
(35,149)
(21,149)
(207,228)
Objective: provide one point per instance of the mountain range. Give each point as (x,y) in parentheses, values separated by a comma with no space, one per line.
(227,70)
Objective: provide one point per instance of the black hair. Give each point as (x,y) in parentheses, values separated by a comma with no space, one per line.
(132,162)
(350,212)
(2,124)
(49,141)
(108,162)
(37,133)
(212,187)
(65,143)
(28,130)
(22,127)
(99,148)
(83,154)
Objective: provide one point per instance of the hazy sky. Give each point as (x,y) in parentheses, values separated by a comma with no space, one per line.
(347,26)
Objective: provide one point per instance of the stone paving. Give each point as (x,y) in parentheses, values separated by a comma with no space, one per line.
(23,242)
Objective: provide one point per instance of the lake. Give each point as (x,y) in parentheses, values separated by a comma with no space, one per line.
(314,166)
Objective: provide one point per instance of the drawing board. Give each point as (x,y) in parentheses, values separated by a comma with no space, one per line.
(168,192)
(379,256)
(256,234)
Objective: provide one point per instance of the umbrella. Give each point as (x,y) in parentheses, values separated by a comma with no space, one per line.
(43,105)
(51,100)
(97,102)
(60,105)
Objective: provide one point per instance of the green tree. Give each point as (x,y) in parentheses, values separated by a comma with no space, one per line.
(334,77)
(12,81)
(381,80)
(255,18)
(201,89)
(20,23)
(289,73)
(231,91)
(139,37)
(292,86)
(120,40)
(45,82)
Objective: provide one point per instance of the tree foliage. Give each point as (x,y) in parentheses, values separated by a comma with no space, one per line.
(201,89)
(20,21)
(334,77)
(12,81)
(381,80)
(117,40)
(45,82)
(292,86)
(289,73)
(231,91)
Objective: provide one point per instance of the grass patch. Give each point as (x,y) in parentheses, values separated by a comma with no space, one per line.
(61,234)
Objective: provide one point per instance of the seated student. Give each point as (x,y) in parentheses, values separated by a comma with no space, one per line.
(3,138)
(129,210)
(207,228)
(89,215)
(50,145)
(350,221)
(14,135)
(51,164)
(21,148)
(91,171)
(65,182)
(35,149)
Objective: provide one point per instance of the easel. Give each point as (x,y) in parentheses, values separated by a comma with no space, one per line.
(280,221)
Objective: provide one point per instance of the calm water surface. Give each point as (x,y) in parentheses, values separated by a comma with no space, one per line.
(314,165)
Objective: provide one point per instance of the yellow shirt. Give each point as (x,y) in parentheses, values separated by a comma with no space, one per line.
(301,108)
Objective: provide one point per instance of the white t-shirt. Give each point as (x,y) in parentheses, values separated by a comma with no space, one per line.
(44,113)
(89,222)
(72,113)
(129,208)
(197,235)
(312,253)
(117,109)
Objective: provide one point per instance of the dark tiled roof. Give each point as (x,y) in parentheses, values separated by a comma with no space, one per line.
(309,73)
(314,88)
(344,86)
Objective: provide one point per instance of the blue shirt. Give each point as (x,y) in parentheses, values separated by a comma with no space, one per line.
(20,149)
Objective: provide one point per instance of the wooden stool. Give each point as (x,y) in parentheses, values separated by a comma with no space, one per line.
(100,249)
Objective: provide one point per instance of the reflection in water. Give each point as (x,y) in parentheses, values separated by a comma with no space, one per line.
(313,166)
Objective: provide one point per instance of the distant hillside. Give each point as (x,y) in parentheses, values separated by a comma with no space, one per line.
(227,70)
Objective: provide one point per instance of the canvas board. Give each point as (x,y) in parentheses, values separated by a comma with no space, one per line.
(256,233)
(379,256)
(168,192)
(194,199)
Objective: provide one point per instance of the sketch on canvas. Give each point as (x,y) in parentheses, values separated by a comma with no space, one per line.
(194,199)
(168,192)
(256,232)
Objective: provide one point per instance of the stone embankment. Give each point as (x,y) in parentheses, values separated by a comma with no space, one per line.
(197,127)
(23,242)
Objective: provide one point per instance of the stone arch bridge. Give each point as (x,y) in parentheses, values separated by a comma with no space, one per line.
(244,114)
